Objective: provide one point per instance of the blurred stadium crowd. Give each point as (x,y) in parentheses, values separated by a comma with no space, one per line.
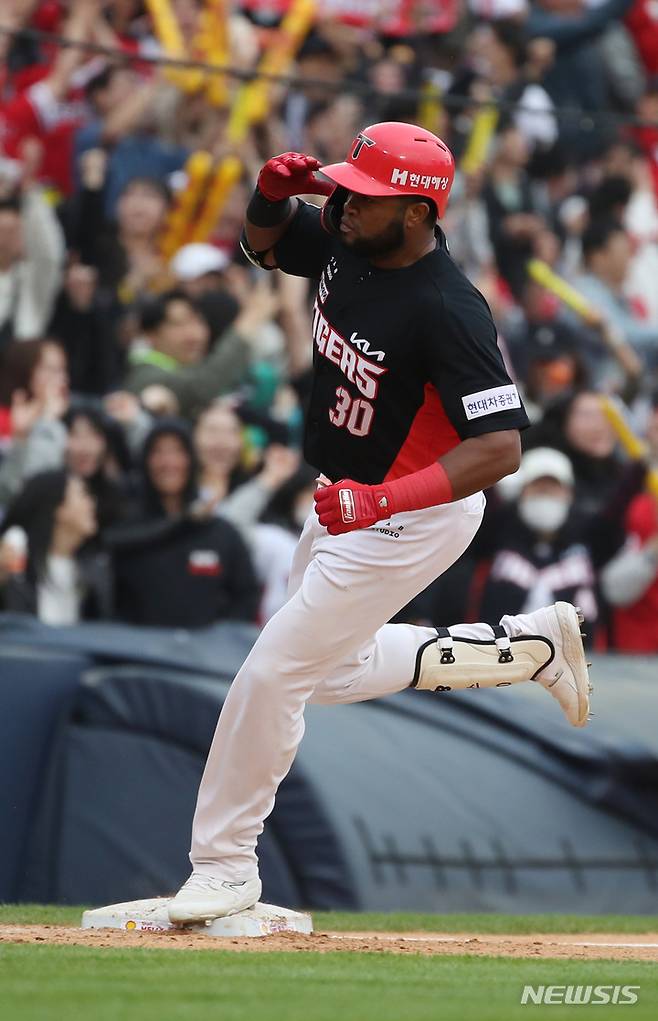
(152,382)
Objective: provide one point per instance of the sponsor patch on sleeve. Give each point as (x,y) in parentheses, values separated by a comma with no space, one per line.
(488,402)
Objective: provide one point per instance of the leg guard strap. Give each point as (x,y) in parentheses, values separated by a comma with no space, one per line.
(452,663)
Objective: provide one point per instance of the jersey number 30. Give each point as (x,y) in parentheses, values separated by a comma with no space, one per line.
(353,413)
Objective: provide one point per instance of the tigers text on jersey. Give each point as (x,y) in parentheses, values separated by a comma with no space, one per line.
(406,363)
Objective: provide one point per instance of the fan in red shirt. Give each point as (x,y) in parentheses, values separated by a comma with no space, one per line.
(47,100)
(629,581)
(642,23)
(636,625)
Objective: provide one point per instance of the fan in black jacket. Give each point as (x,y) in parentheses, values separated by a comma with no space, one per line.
(538,550)
(171,568)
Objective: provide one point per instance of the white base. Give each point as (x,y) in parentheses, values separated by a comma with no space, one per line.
(151,916)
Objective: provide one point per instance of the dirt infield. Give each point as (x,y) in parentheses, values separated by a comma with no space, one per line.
(584,946)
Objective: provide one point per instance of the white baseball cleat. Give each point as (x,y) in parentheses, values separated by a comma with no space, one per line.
(203,898)
(565,676)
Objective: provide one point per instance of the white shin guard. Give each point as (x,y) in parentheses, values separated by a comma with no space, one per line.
(449,663)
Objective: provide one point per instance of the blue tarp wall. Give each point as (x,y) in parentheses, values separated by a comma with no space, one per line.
(473,801)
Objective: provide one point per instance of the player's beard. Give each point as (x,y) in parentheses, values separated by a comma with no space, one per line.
(384,243)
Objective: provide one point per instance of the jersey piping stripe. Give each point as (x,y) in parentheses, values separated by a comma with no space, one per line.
(431,435)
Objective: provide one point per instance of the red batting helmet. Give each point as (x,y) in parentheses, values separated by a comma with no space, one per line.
(392,158)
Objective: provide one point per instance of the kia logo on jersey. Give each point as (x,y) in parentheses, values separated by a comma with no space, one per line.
(364,346)
(347,511)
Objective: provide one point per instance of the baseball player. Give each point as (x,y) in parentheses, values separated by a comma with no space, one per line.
(411,416)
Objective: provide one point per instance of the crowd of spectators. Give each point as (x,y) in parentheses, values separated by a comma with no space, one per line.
(151,402)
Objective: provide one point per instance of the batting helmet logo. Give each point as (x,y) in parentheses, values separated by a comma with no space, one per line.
(360,141)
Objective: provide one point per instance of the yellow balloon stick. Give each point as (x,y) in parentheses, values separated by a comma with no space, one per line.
(187,203)
(631,443)
(226,177)
(652,482)
(214,42)
(170,36)
(430,108)
(292,31)
(253,100)
(485,122)
(166,27)
(542,274)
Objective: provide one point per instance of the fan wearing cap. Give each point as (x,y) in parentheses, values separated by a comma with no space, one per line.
(198,266)
(411,414)
(199,271)
(537,550)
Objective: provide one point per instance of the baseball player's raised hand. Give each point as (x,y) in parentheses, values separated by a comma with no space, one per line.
(348,505)
(290,174)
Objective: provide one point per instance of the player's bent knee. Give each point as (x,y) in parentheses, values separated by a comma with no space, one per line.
(273,665)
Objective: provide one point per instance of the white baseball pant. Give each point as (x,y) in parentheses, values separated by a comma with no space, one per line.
(329,643)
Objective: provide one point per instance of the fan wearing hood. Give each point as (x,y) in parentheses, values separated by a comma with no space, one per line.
(172,567)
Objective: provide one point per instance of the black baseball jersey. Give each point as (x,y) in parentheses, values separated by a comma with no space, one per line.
(406,362)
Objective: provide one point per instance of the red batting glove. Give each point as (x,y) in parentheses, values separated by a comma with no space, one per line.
(290,174)
(348,505)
